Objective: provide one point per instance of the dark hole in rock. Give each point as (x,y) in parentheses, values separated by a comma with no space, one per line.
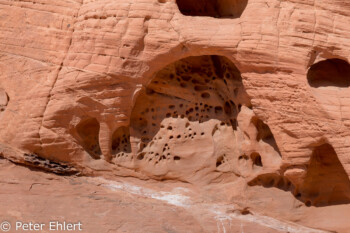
(200,88)
(88,131)
(218,109)
(256,158)
(205,95)
(141,156)
(331,72)
(121,141)
(220,160)
(212,8)
(227,108)
(245,211)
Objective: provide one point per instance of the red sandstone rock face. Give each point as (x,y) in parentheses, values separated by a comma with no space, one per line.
(247,102)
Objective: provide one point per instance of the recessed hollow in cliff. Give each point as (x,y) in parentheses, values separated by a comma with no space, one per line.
(330,72)
(88,131)
(212,8)
(185,111)
(264,133)
(326,181)
(121,146)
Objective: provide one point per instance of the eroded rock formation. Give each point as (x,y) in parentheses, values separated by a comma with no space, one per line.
(3,100)
(241,104)
(198,101)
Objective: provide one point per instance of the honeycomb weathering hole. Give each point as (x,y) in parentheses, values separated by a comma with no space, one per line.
(185,122)
(331,72)
(121,147)
(212,8)
(270,180)
(184,106)
(88,131)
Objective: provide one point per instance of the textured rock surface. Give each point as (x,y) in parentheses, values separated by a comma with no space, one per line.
(246,103)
